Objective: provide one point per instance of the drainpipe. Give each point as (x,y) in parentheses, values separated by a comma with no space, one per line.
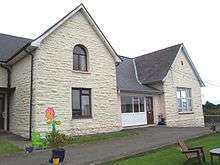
(8,68)
(31,93)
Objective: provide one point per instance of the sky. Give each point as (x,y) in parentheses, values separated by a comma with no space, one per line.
(134,27)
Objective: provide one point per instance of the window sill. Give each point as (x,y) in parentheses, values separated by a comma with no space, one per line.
(80,71)
(87,117)
(185,113)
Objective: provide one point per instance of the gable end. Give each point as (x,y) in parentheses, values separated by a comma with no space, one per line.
(183,49)
(91,21)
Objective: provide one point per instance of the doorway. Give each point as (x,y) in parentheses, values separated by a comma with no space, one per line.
(149,110)
(2,111)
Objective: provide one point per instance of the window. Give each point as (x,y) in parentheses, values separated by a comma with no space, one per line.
(126,104)
(81,103)
(130,104)
(79,58)
(136,104)
(184,100)
(141,104)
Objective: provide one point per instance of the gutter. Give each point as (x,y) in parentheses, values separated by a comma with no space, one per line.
(19,51)
(24,48)
(31,94)
(142,92)
(8,68)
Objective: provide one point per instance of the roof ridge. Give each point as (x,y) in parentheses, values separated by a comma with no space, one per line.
(159,50)
(15,36)
(125,57)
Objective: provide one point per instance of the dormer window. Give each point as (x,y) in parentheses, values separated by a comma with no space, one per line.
(79,58)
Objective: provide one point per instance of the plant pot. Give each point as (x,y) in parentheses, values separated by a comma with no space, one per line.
(29,149)
(58,153)
(56,161)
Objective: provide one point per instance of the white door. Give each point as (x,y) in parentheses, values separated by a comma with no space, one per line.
(133,111)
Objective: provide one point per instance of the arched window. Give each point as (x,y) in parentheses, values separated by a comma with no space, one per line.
(79,58)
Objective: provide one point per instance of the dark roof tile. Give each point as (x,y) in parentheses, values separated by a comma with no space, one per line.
(126,78)
(153,67)
(9,45)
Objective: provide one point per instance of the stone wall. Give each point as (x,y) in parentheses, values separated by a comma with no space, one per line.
(20,98)
(54,78)
(3,77)
(182,76)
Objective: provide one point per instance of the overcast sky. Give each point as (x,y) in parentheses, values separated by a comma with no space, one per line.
(134,27)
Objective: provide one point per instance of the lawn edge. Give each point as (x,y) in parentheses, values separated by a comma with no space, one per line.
(148,151)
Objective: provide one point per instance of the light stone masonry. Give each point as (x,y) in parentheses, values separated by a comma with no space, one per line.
(20,98)
(3,77)
(182,76)
(54,78)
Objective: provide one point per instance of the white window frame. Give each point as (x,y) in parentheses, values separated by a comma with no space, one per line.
(187,98)
(139,104)
(138,100)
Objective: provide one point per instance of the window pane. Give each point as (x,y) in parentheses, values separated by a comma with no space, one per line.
(184,99)
(79,50)
(136,104)
(188,93)
(178,94)
(184,104)
(75,62)
(183,94)
(76,99)
(77,113)
(82,62)
(141,104)
(85,91)
(189,104)
(79,58)
(179,103)
(85,105)
(126,104)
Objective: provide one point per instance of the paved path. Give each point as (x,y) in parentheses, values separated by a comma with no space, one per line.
(147,139)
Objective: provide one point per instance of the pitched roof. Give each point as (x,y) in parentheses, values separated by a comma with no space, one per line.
(96,28)
(126,78)
(10,45)
(153,67)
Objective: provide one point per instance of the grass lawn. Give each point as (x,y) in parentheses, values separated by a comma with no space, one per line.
(101,137)
(171,155)
(7,148)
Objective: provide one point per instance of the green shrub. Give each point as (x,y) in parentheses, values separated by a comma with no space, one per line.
(56,139)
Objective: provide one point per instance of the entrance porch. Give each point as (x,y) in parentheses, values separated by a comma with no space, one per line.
(137,109)
(4,108)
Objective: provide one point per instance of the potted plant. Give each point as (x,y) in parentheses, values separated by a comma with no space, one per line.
(55,139)
(56,161)
(29,148)
(213,127)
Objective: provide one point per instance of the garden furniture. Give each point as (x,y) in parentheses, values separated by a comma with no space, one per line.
(214,152)
(192,153)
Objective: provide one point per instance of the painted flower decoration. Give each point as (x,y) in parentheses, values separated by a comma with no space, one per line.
(49,114)
(50,117)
